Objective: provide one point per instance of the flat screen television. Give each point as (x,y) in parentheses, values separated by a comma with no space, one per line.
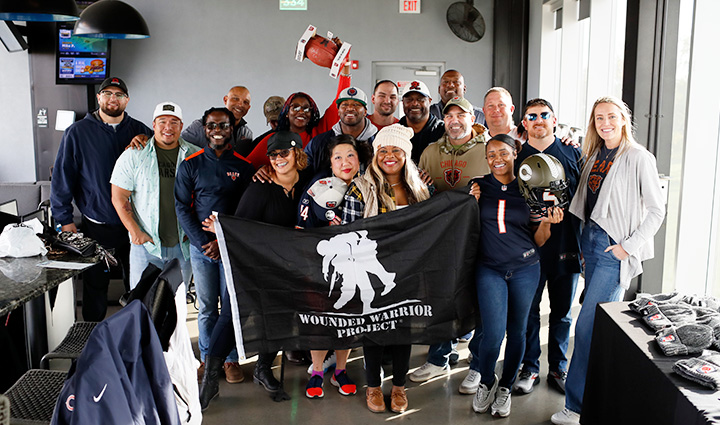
(80,60)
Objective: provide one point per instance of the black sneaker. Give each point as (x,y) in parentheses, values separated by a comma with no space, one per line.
(557,380)
(454,358)
(314,387)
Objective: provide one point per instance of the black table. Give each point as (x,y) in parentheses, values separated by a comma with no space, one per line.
(630,380)
(22,283)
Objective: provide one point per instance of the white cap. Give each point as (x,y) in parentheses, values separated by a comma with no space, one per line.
(394,135)
(168,108)
(416,86)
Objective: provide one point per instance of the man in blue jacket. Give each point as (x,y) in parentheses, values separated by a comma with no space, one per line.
(212,179)
(84,163)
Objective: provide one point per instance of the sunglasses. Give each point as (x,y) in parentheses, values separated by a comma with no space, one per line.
(213,125)
(283,153)
(544,115)
(295,108)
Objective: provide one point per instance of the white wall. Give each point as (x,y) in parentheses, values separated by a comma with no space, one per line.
(198,50)
(17,162)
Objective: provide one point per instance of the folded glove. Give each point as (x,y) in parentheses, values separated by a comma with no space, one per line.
(705,370)
(661,316)
(643,300)
(702,301)
(685,339)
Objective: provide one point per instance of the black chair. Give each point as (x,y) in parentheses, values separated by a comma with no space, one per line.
(34,395)
(72,345)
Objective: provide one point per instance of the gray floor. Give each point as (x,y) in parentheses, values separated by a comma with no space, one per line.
(434,402)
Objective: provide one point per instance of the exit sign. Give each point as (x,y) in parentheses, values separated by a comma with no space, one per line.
(293,4)
(409,6)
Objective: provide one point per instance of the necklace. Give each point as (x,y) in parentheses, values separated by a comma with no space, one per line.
(394,184)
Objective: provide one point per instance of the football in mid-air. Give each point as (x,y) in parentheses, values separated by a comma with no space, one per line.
(321,51)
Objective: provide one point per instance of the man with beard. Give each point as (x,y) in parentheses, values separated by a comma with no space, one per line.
(385,103)
(143,183)
(452,84)
(237,100)
(560,263)
(84,163)
(352,110)
(212,179)
(452,161)
(416,105)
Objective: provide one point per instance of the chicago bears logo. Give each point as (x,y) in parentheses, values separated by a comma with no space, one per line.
(452,176)
(594,183)
(233,175)
(669,338)
(352,91)
(331,204)
(705,369)
(68,405)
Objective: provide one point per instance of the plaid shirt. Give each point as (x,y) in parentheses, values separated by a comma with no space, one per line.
(354,205)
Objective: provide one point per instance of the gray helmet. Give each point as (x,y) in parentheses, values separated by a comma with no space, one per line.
(541,178)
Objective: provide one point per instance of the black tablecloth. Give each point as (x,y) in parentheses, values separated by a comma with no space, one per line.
(630,380)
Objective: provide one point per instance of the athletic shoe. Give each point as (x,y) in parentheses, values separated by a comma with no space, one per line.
(484,397)
(328,364)
(344,384)
(526,382)
(469,358)
(454,357)
(471,383)
(467,337)
(501,406)
(428,371)
(313,389)
(566,417)
(557,380)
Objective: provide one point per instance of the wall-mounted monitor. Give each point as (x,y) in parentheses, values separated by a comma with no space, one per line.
(80,60)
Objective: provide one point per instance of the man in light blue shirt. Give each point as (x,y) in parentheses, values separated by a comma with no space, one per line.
(142,194)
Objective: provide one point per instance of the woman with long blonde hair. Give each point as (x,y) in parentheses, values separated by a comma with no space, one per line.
(620,202)
(391,182)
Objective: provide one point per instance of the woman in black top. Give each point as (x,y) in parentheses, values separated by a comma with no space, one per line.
(273,203)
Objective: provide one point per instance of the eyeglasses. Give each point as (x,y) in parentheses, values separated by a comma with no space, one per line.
(283,153)
(544,115)
(213,125)
(297,108)
(107,94)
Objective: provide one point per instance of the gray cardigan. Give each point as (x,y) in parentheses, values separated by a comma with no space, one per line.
(630,206)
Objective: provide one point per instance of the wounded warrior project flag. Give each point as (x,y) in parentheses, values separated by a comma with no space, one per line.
(404,277)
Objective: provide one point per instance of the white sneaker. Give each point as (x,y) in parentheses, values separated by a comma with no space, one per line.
(428,371)
(484,397)
(328,364)
(501,406)
(526,382)
(471,382)
(566,417)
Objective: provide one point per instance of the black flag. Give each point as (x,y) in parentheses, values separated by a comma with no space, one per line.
(404,277)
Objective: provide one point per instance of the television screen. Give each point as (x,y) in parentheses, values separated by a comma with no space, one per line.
(81,60)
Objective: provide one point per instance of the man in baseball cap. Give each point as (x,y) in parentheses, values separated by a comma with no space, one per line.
(416,105)
(352,110)
(84,162)
(142,194)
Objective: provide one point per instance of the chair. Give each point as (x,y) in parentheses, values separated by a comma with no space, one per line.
(72,345)
(34,395)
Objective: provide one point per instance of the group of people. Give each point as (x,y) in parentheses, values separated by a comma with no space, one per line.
(162,192)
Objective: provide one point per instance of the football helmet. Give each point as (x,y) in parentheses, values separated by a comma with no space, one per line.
(541,178)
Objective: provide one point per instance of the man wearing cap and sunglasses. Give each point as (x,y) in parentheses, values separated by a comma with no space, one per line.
(84,162)
(352,110)
(143,184)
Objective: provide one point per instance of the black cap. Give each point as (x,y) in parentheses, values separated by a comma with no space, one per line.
(284,140)
(115,82)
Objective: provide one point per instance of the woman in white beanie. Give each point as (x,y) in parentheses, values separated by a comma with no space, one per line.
(391,182)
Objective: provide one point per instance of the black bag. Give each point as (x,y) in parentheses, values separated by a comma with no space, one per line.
(75,243)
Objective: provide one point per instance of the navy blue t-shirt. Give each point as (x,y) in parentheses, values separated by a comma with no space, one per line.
(506,241)
(561,253)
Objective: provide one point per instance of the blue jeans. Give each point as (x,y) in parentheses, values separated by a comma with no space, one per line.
(140,258)
(602,284)
(209,287)
(561,292)
(439,354)
(504,299)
